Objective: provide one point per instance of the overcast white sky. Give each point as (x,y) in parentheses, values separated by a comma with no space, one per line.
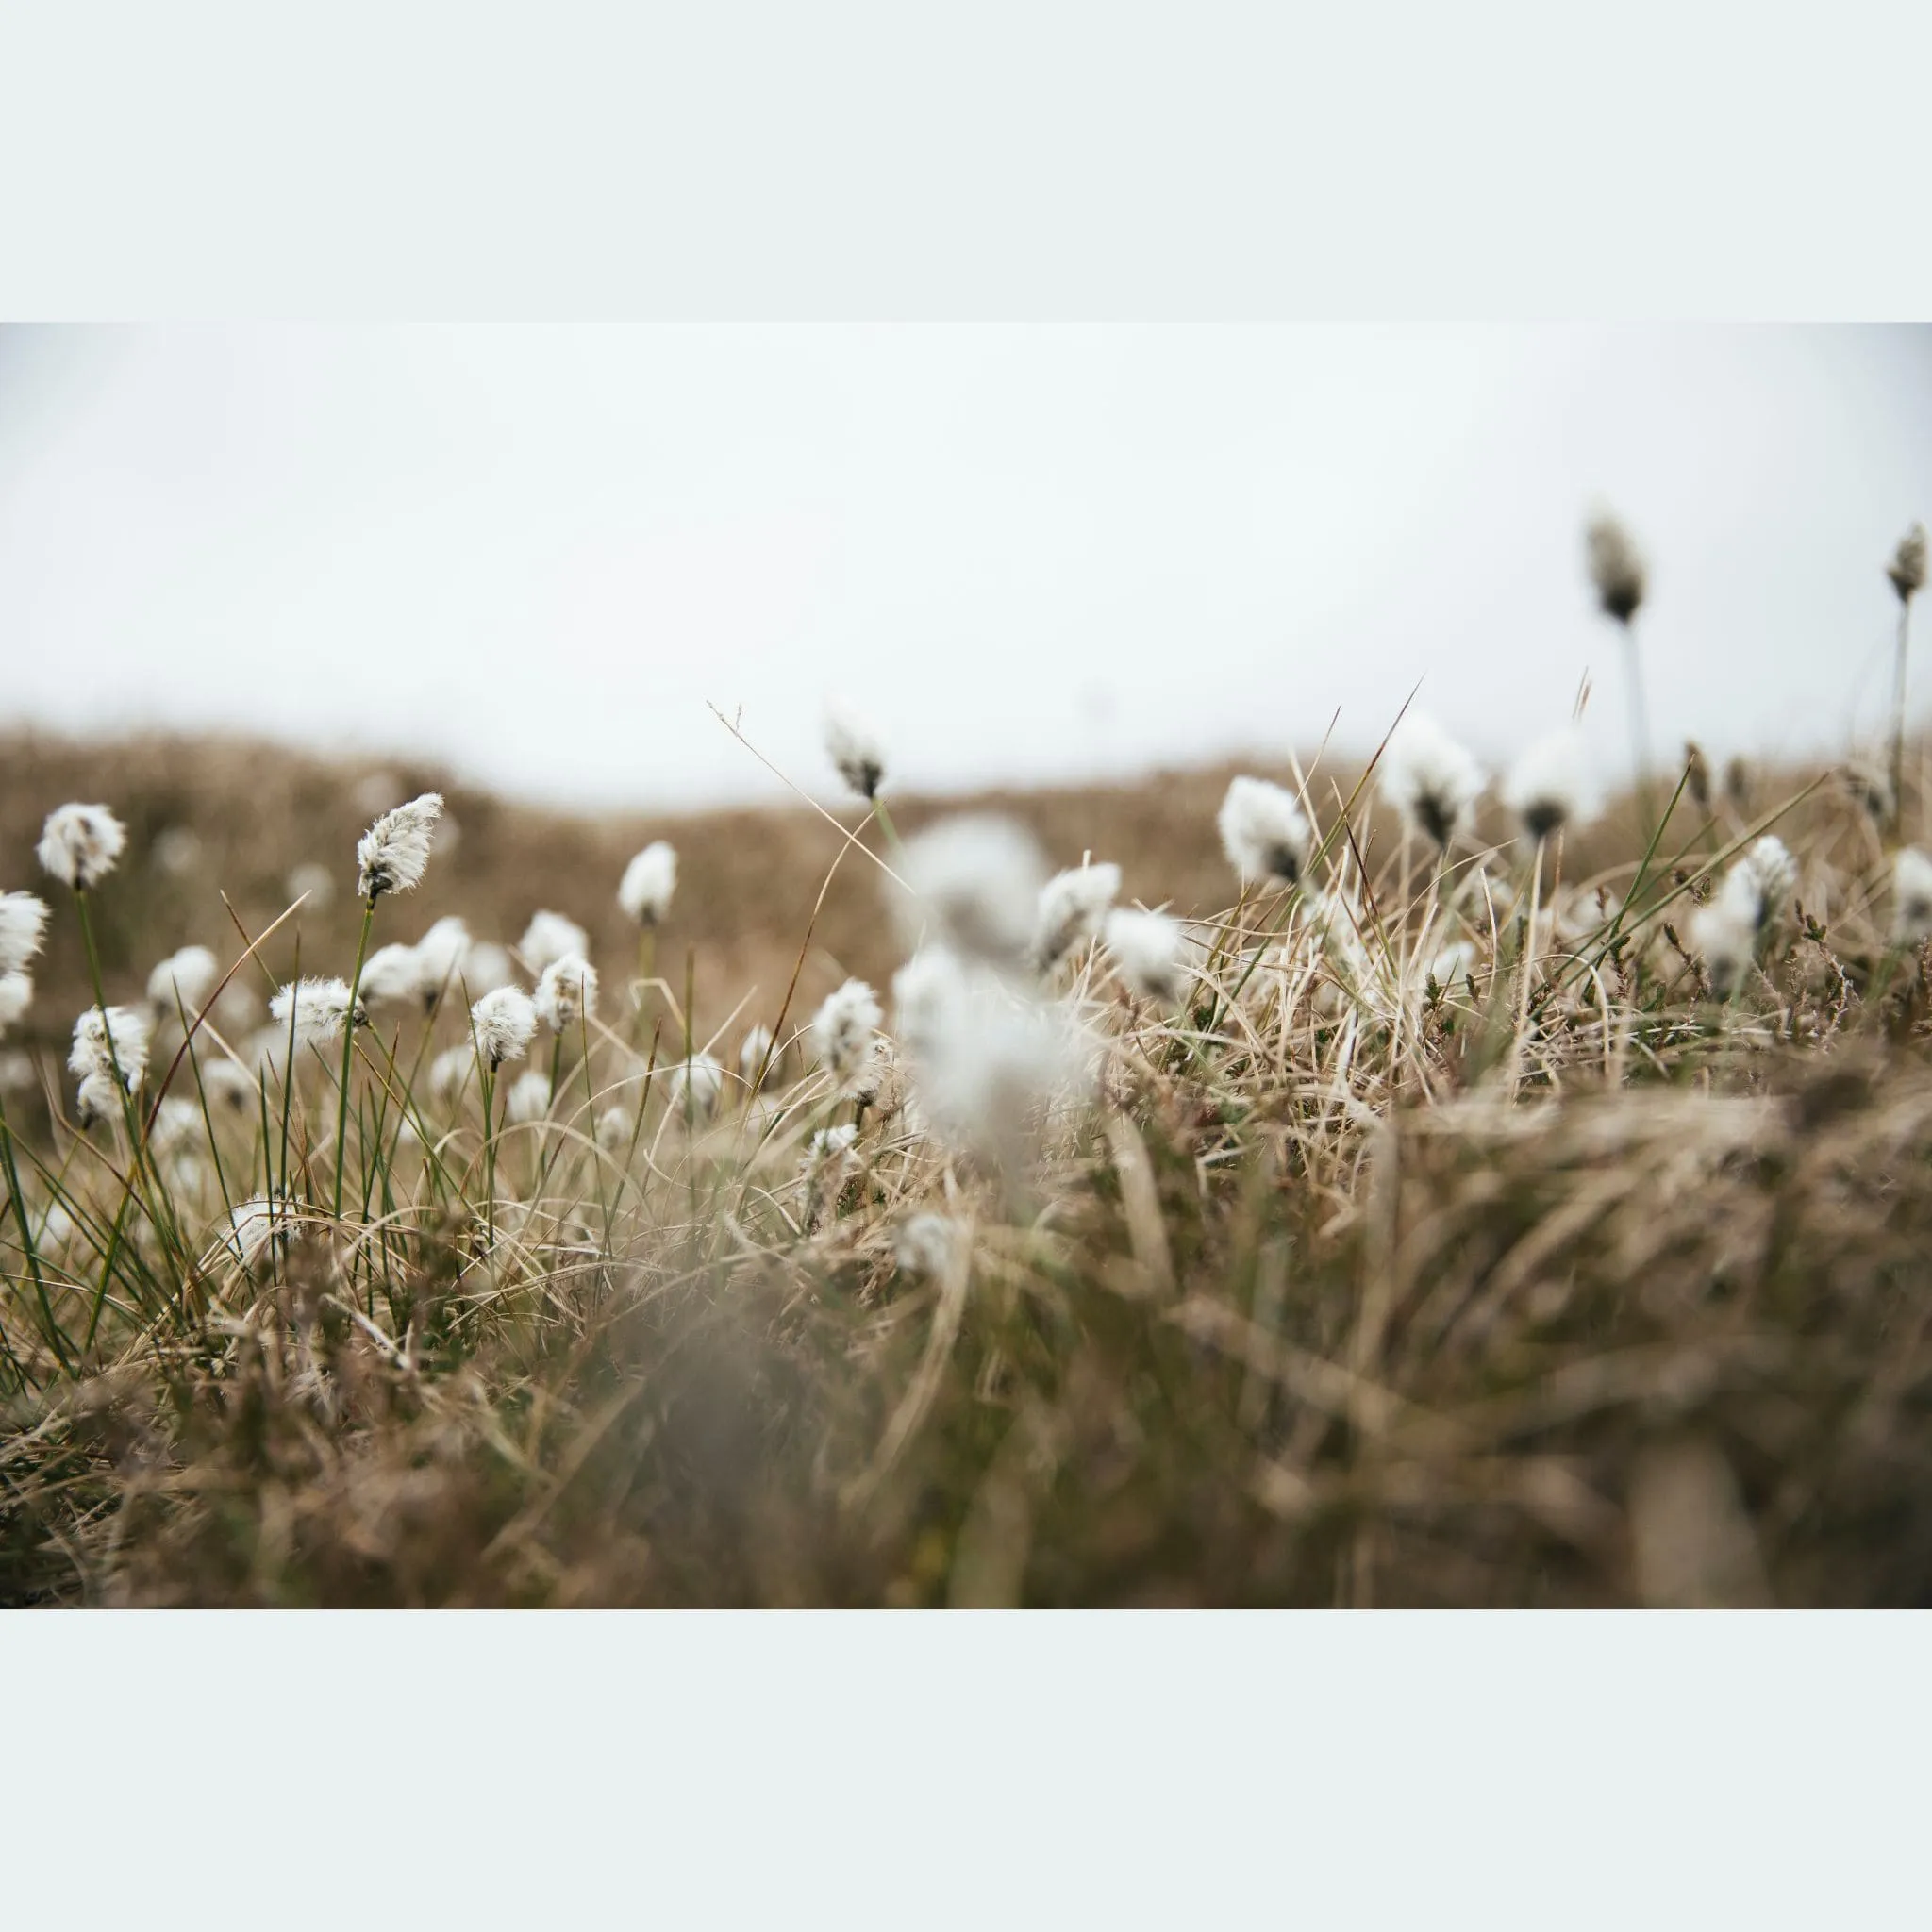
(1030,553)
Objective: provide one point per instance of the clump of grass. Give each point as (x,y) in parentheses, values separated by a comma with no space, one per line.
(1487,1234)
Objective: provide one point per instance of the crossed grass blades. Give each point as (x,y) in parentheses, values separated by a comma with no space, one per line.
(1496,1203)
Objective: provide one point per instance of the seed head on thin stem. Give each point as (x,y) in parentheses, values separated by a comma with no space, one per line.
(1073,907)
(1907,569)
(392,855)
(1263,832)
(648,882)
(845,1029)
(567,993)
(1911,898)
(550,936)
(1545,785)
(105,1041)
(1147,949)
(187,977)
(320,1008)
(23,924)
(80,845)
(1616,567)
(503,1021)
(856,750)
(1430,779)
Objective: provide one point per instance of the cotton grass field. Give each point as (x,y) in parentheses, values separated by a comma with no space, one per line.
(1364,1181)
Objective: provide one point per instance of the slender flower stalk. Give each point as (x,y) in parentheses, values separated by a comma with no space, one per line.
(1906,571)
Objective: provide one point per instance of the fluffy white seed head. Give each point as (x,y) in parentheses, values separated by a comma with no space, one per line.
(981,1055)
(928,1245)
(1907,569)
(1616,567)
(753,1057)
(443,959)
(451,1071)
(616,1125)
(648,882)
(845,1028)
(23,925)
(392,853)
(550,936)
(485,967)
(1073,907)
(317,1009)
(80,845)
(1546,787)
(1263,832)
(1724,932)
(974,886)
(695,1087)
(313,883)
(1912,898)
(1428,778)
(567,993)
(1773,871)
(177,1126)
(256,1229)
(504,1023)
(1147,951)
(16,997)
(529,1097)
(226,1083)
(102,1045)
(392,976)
(186,977)
(856,750)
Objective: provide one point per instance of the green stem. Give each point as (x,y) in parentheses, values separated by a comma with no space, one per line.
(54,1339)
(348,1051)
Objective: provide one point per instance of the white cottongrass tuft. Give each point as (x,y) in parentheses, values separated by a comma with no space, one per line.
(80,845)
(695,1087)
(1773,871)
(485,967)
(504,1021)
(317,1009)
(23,925)
(1428,778)
(1147,949)
(255,1229)
(226,1083)
(974,881)
(177,1125)
(567,993)
(981,1055)
(1073,907)
(1263,832)
(1616,567)
(550,936)
(529,1097)
(1724,932)
(648,882)
(829,1162)
(392,853)
(753,1056)
(104,1043)
(1911,898)
(314,882)
(187,976)
(451,1071)
(857,752)
(16,997)
(392,976)
(1545,785)
(845,1028)
(1907,569)
(443,956)
(928,1245)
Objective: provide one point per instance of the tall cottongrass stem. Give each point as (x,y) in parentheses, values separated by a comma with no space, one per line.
(1618,574)
(1906,571)
(390,856)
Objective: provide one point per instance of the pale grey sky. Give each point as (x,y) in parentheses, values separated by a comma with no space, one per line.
(1030,553)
